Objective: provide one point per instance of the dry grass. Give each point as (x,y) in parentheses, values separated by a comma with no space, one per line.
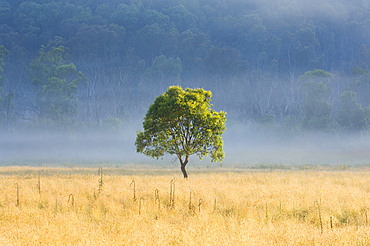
(75,207)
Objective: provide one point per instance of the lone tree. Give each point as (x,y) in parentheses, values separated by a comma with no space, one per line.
(181,122)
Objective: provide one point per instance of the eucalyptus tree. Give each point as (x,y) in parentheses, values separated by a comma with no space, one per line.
(181,122)
(55,82)
(352,116)
(315,106)
(6,98)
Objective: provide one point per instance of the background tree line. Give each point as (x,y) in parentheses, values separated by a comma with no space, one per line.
(99,63)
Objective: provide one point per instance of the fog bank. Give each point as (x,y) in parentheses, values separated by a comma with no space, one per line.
(255,149)
(245,147)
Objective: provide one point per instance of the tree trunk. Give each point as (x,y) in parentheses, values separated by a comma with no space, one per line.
(184,171)
(183,164)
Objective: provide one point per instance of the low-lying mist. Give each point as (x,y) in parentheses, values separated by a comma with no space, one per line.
(245,147)
(73,148)
(265,147)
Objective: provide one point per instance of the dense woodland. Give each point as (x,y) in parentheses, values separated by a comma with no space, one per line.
(294,64)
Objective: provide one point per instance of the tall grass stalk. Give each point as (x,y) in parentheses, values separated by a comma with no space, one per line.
(39,184)
(318,204)
(17,202)
(156,199)
(71,199)
(172,194)
(190,196)
(133,184)
(331,222)
(100,173)
(199,204)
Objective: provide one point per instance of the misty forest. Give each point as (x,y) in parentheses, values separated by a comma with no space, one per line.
(78,76)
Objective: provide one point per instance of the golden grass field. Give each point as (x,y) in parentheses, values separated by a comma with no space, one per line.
(70,206)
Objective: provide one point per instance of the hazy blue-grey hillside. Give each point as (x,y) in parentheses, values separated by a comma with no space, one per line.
(83,68)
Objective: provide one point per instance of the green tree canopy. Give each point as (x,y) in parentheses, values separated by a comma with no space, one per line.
(55,83)
(182,18)
(164,69)
(351,114)
(126,16)
(316,108)
(97,42)
(6,98)
(3,52)
(181,122)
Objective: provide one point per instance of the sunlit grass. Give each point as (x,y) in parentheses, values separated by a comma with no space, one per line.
(226,208)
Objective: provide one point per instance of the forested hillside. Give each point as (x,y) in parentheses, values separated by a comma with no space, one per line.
(100,63)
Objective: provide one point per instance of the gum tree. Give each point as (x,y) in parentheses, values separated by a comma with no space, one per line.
(351,115)
(6,98)
(315,106)
(181,123)
(55,82)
